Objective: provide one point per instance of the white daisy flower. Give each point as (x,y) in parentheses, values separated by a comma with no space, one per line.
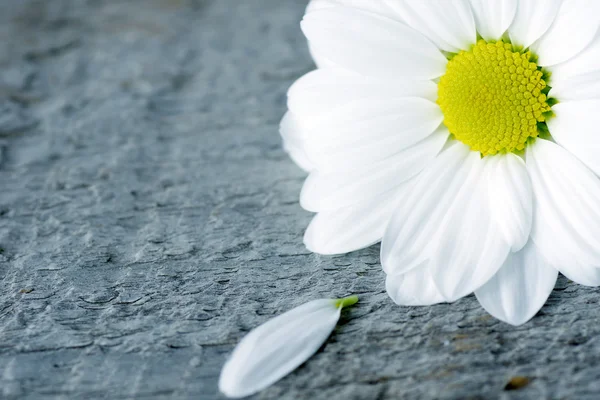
(460,134)
(279,346)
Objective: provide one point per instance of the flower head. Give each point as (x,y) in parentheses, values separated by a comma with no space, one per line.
(460,133)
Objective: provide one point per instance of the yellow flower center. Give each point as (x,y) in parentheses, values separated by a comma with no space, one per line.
(494,98)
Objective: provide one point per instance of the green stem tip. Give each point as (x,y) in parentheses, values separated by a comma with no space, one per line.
(346,301)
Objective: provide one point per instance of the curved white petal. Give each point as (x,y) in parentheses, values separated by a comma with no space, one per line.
(532,20)
(376,7)
(574,128)
(323,90)
(414,288)
(520,288)
(446,219)
(566,222)
(584,63)
(448,23)
(329,190)
(574,28)
(493,17)
(372,45)
(583,274)
(355,227)
(470,247)
(412,230)
(292,142)
(511,198)
(298,155)
(277,347)
(580,87)
(367,131)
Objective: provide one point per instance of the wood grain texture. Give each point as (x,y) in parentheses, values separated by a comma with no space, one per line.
(149,218)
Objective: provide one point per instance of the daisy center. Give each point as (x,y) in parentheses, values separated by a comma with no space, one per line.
(494,98)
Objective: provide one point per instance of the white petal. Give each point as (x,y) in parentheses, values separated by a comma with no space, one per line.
(323,90)
(372,45)
(414,288)
(276,348)
(411,232)
(352,228)
(584,63)
(520,288)
(470,247)
(493,17)
(448,23)
(511,198)
(580,87)
(574,128)
(566,222)
(369,130)
(325,190)
(574,28)
(376,7)
(293,142)
(586,275)
(298,155)
(532,20)
(446,219)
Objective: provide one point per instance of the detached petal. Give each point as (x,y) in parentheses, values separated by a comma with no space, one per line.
(276,348)
(520,288)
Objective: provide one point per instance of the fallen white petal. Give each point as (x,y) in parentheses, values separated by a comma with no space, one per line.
(276,348)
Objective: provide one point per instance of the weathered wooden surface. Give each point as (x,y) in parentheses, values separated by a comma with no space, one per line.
(148,218)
